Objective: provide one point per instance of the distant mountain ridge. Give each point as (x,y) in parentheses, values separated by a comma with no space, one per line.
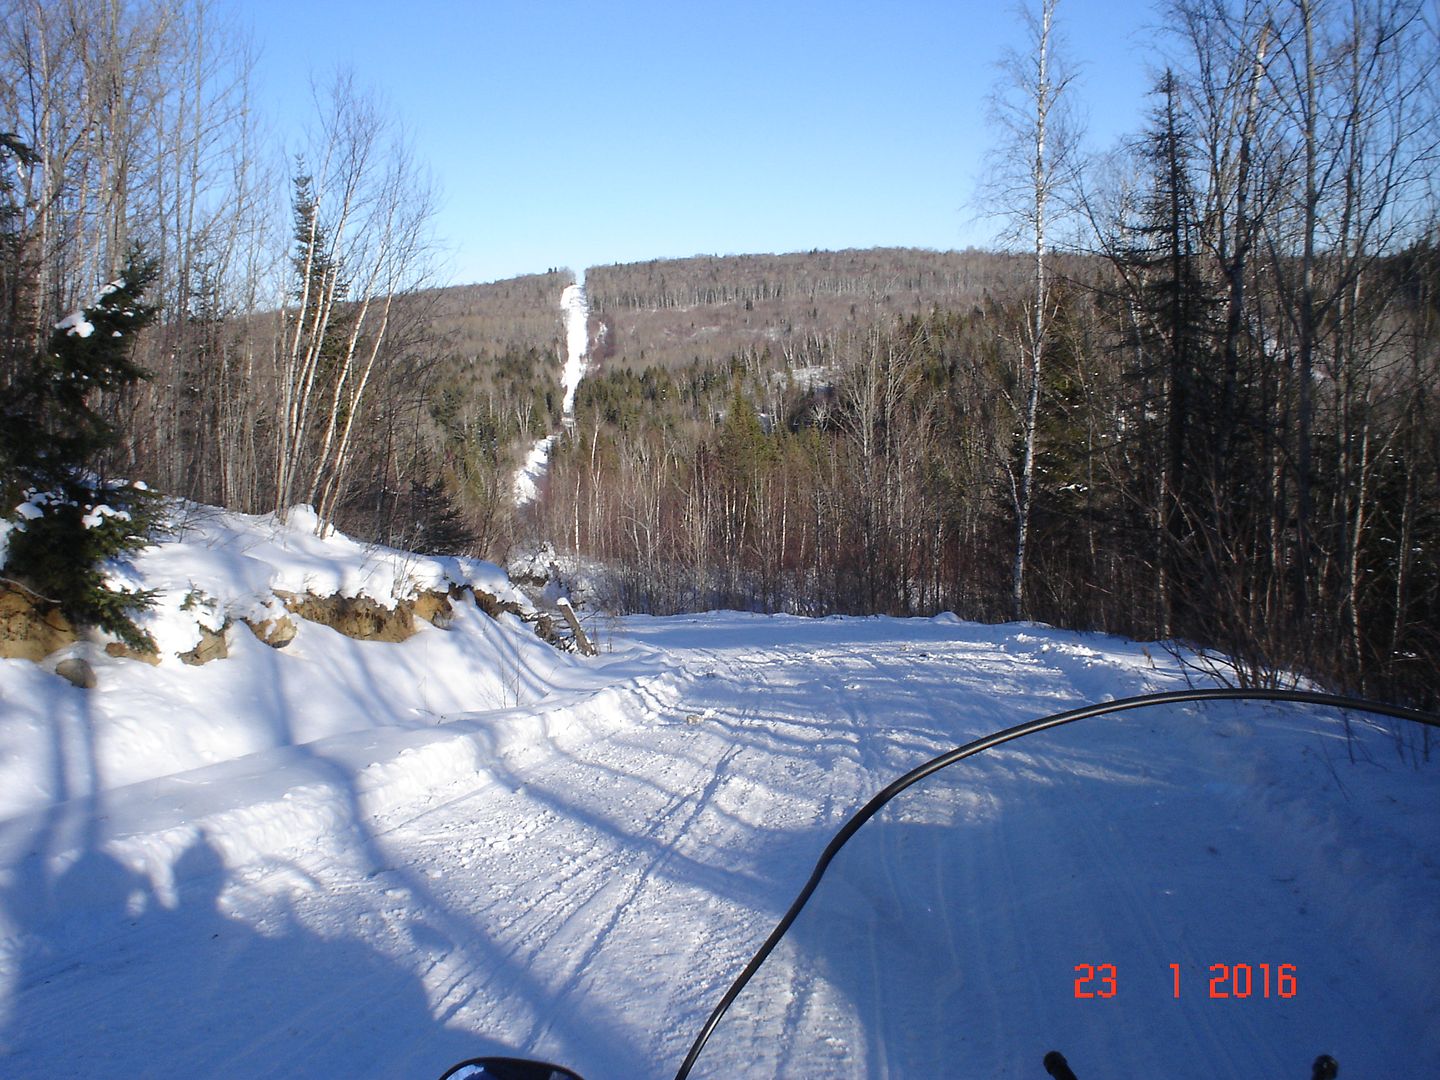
(707,308)
(672,312)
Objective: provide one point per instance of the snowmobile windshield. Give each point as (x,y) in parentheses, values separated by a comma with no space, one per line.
(1217,889)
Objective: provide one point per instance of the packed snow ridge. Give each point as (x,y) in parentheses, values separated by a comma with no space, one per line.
(217,573)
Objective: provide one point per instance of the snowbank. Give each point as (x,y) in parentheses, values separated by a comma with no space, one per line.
(220,565)
(216,571)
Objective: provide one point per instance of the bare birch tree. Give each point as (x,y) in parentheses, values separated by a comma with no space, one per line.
(1029,167)
(361,241)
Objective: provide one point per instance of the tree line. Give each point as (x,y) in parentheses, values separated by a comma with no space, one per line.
(675,311)
(291,347)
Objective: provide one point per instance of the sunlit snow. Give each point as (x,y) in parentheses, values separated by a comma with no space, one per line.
(527,479)
(352,858)
(577,342)
(76,324)
(526,486)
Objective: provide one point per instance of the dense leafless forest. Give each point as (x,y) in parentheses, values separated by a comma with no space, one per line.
(674,312)
(1207,414)
(1194,398)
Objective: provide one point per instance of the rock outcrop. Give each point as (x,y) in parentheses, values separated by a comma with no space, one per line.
(31,628)
(77,671)
(277,632)
(212,647)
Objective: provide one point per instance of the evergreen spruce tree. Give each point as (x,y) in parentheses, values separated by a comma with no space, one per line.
(1176,333)
(67,519)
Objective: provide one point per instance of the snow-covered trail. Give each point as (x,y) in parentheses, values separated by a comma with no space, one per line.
(667,851)
(589,892)
(576,310)
(577,342)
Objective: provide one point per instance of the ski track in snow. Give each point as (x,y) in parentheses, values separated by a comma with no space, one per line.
(587,894)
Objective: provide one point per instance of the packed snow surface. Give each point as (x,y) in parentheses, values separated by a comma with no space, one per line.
(367,859)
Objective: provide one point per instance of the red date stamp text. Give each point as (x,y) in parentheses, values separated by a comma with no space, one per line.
(1228,981)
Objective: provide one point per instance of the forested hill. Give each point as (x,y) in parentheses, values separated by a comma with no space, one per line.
(671,312)
(493,384)
(517,313)
(846,432)
(708,308)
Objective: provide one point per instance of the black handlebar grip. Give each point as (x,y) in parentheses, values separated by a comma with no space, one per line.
(1059,1068)
(1326,1068)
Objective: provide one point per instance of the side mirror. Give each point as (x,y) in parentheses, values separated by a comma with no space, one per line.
(503,1068)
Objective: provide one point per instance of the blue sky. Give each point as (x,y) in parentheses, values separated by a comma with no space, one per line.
(572,133)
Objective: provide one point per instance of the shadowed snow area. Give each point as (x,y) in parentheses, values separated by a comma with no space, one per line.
(576,873)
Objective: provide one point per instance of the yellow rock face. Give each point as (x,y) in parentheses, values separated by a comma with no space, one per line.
(277,633)
(31,629)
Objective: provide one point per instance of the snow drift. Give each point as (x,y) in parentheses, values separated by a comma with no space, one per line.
(219,572)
